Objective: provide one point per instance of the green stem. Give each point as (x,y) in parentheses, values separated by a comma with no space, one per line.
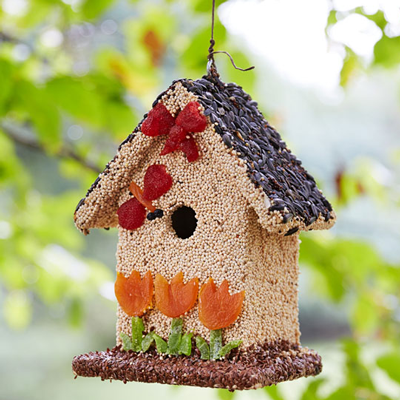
(175,336)
(137,333)
(215,343)
(202,345)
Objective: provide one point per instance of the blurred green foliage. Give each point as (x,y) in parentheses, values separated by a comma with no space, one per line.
(45,92)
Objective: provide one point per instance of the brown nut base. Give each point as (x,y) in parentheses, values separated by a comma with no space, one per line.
(254,368)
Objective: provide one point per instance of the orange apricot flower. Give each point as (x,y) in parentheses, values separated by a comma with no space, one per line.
(217,308)
(138,193)
(175,298)
(134,295)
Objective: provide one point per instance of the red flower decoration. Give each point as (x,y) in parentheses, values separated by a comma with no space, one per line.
(131,214)
(160,122)
(157,182)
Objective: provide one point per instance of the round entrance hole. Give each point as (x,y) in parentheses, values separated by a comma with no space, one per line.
(184,222)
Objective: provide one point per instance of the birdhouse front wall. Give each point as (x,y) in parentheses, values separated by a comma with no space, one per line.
(228,242)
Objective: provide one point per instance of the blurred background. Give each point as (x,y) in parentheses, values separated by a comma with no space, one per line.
(76,76)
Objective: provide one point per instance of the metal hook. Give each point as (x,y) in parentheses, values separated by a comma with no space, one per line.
(233,62)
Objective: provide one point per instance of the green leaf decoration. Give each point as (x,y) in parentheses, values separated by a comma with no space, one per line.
(186,344)
(126,341)
(175,336)
(202,345)
(137,333)
(147,341)
(215,343)
(161,344)
(228,347)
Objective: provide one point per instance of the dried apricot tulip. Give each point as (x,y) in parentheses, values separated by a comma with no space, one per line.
(175,298)
(138,193)
(217,308)
(131,214)
(134,295)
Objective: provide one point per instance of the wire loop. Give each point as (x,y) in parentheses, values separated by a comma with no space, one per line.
(211,67)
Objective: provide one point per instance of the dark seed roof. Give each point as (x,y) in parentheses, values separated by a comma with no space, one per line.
(270,164)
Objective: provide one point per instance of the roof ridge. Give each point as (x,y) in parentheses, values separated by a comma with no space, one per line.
(270,163)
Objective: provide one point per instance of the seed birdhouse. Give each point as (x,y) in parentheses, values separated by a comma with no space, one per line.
(209,203)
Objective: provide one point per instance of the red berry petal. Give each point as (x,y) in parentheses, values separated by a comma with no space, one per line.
(157,181)
(158,122)
(189,147)
(190,118)
(176,135)
(131,214)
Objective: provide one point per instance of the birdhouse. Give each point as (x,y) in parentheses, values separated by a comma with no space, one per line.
(209,203)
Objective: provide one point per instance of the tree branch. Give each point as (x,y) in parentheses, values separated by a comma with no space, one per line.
(64,152)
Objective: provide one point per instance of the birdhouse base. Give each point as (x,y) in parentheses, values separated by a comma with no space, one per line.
(253,368)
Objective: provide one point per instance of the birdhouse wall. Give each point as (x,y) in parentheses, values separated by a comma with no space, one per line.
(228,243)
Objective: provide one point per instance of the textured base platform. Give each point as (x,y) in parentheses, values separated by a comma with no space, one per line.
(257,367)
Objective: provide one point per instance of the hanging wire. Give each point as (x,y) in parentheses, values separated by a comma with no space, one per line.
(211,67)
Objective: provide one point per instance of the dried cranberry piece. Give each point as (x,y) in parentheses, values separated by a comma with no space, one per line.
(176,135)
(131,214)
(157,181)
(158,122)
(190,118)
(189,147)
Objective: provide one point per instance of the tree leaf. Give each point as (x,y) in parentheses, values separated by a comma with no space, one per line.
(17,310)
(365,315)
(42,111)
(273,392)
(386,51)
(92,9)
(332,18)
(206,6)
(5,84)
(378,17)
(311,392)
(75,313)
(225,394)
(390,363)
(351,66)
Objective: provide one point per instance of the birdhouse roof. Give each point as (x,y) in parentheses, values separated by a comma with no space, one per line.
(291,198)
